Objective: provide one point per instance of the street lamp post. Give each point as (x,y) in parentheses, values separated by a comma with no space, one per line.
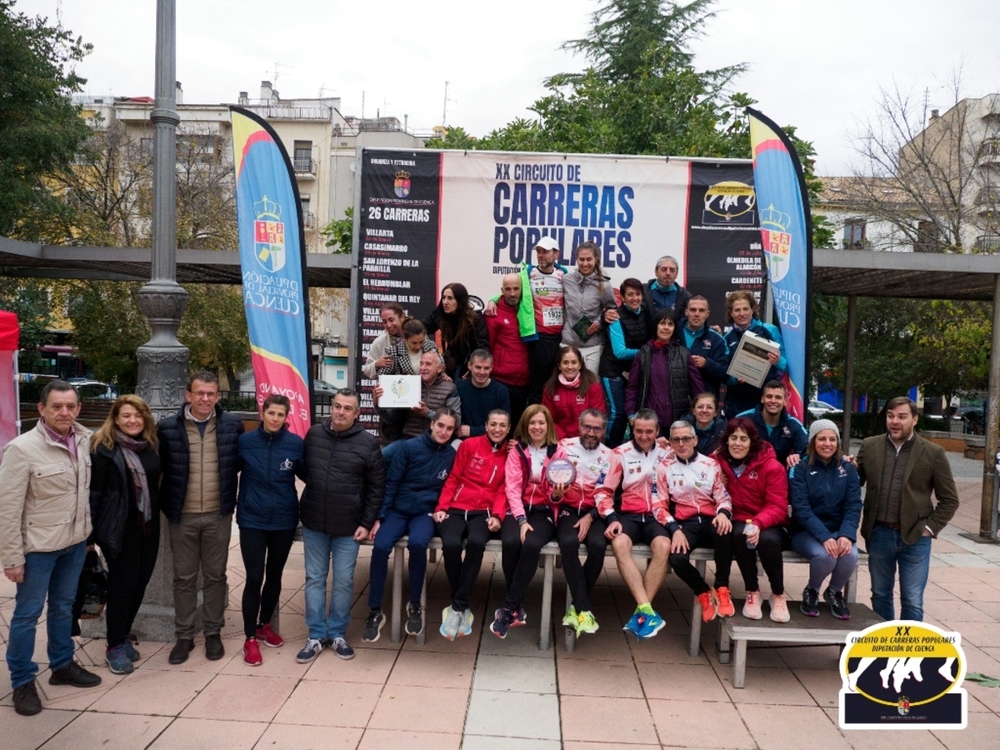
(163,360)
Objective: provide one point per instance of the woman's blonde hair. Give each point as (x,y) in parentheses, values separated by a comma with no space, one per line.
(105,434)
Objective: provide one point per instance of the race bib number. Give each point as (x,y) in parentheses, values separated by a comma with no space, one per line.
(552,316)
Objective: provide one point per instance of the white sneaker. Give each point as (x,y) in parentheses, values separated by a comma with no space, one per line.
(779,608)
(451,623)
(467,619)
(751,608)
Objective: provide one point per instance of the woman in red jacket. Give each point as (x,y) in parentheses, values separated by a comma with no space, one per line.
(471,507)
(758,486)
(570,391)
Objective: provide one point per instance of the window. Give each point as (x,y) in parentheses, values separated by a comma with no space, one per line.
(302,161)
(854,234)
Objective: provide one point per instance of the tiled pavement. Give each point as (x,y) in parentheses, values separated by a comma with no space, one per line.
(483,693)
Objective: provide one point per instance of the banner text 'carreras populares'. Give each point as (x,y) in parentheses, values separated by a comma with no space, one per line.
(272,257)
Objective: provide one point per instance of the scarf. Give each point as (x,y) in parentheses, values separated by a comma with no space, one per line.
(657,344)
(140,485)
(574,383)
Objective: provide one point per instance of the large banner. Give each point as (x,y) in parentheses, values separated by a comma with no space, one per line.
(427,218)
(786,232)
(272,258)
(10,418)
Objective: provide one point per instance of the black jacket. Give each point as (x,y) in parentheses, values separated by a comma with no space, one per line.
(175,455)
(111,501)
(345,480)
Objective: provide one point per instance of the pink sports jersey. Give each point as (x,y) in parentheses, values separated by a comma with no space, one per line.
(695,488)
(547,295)
(635,471)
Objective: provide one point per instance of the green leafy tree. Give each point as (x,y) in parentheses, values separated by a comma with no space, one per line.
(40,130)
(339,233)
(29,299)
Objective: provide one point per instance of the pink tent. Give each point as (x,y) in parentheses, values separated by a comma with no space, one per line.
(9,407)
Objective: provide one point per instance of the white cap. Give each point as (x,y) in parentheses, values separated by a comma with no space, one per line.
(547,243)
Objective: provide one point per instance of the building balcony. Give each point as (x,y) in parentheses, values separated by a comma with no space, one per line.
(305,167)
(987,244)
(989,151)
(308,220)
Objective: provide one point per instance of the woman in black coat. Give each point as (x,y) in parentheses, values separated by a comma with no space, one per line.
(462,329)
(125,510)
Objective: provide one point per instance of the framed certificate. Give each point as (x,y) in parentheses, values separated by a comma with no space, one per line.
(399,391)
(750,362)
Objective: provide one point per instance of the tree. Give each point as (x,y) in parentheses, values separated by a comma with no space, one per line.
(39,127)
(922,173)
(110,191)
(339,233)
(640,94)
(29,300)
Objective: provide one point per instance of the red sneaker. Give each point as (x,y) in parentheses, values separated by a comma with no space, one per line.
(726,607)
(269,637)
(251,653)
(707,606)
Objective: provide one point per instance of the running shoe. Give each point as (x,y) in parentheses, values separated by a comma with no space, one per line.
(467,620)
(633,624)
(268,637)
(502,622)
(341,649)
(779,608)
(310,651)
(451,623)
(751,608)
(838,607)
(118,661)
(569,619)
(414,618)
(724,601)
(650,625)
(520,617)
(810,602)
(131,650)
(373,626)
(251,653)
(707,606)
(585,623)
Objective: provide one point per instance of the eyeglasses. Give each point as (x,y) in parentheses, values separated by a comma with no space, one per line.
(685,439)
(205,394)
(591,428)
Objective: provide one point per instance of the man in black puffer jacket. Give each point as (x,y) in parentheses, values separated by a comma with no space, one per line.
(200,458)
(345,484)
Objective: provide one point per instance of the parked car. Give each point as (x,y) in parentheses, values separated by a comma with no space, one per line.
(322,387)
(972,419)
(94,389)
(823,410)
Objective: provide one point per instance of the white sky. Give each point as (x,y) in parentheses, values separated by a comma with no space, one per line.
(818,66)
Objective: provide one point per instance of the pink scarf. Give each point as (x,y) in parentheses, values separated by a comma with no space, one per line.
(575,383)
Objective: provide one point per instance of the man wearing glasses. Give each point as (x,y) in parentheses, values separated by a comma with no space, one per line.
(199,453)
(701,506)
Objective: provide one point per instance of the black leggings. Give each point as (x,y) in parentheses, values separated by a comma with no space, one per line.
(699,532)
(769,547)
(128,574)
(462,573)
(581,578)
(522,559)
(262,549)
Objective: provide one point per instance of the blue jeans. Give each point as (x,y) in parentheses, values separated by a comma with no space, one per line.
(55,575)
(821,564)
(886,549)
(394,526)
(319,548)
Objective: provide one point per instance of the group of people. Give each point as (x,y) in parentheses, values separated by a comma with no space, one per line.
(665,450)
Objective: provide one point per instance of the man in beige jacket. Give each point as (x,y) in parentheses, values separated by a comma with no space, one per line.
(44,525)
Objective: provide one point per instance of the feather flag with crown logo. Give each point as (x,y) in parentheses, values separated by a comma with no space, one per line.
(786,233)
(272,260)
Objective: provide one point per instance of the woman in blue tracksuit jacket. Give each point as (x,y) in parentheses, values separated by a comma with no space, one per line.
(825,496)
(267,512)
(413,483)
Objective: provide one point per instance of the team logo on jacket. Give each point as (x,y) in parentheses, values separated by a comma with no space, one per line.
(287,465)
(443,474)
